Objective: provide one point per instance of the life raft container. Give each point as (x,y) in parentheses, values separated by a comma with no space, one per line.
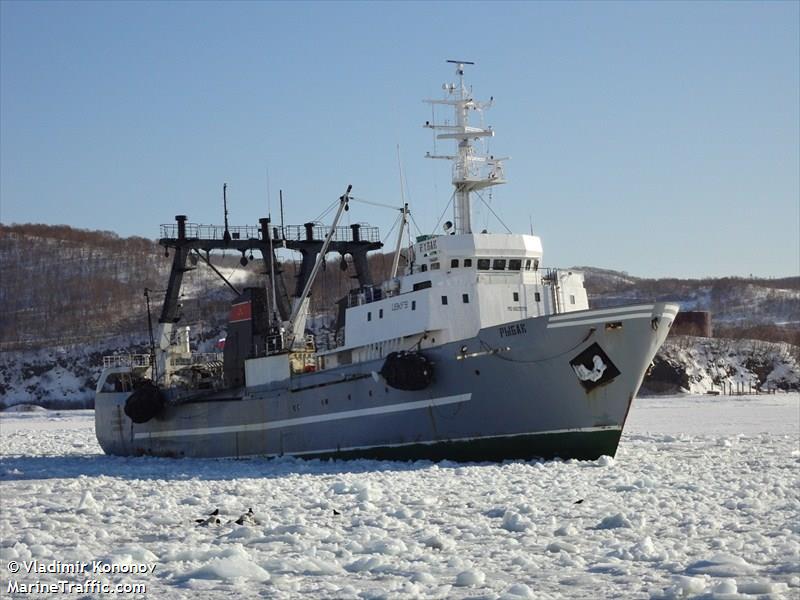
(407,371)
(144,403)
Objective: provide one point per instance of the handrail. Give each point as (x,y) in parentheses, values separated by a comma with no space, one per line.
(292,233)
(126,360)
(197,358)
(211,232)
(344,233)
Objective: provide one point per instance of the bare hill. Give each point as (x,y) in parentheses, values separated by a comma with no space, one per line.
(752,308)
(62,285)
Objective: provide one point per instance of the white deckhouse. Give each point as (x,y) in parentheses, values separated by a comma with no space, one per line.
(460,282)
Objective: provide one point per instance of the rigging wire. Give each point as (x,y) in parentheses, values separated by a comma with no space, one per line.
(492,211)
(373,203)
(433,121)
(333,205)
(433,167)
(414,221)
(396,221)
(403,181)
(453,195)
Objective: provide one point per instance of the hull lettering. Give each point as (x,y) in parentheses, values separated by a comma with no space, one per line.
(511,330)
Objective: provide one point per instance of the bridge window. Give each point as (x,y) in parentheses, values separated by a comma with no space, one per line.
(515,264)
(444,300)
(369,316)
(117,382)
(465,298)
(435,266)
(413,305)
(422,285)
(499,264)
(467,262)
(423,268)
(528,265)
(483,264)
(454,263)
(380,313)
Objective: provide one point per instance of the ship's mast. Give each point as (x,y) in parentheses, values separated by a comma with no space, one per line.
(471,171)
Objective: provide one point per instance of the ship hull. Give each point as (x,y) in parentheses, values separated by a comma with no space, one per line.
(554,386)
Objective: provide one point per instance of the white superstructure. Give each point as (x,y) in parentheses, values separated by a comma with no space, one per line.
(460,282)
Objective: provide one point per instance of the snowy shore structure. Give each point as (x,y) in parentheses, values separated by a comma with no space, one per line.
(476,352)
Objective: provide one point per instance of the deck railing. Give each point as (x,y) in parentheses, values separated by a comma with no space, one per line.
(292,233)
(126,360)
(212,232)
(298,233)
(198,358)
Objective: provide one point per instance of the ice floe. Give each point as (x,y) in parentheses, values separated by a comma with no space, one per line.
(701,501)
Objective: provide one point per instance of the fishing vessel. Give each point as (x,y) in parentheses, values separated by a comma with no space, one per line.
(472,351)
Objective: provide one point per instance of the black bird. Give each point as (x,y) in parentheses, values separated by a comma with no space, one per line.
(248,517)
(211,520)
(336,513)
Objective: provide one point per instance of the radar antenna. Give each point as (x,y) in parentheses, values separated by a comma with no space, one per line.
(471,171)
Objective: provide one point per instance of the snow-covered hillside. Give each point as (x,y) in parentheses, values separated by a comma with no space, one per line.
(701,501)
(66,376)
(698,365)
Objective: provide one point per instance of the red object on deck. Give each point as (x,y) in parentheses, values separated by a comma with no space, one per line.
(242,311)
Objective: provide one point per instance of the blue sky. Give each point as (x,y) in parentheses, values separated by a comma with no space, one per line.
(662,139)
